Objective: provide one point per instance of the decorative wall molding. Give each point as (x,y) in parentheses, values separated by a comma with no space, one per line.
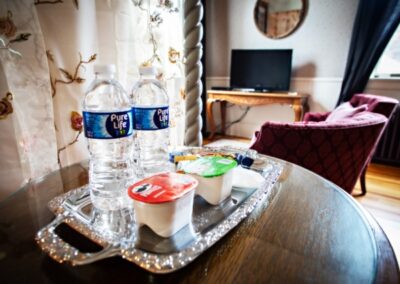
(318,79)
(374,84)
(293,80)
(385,87)
(323,94)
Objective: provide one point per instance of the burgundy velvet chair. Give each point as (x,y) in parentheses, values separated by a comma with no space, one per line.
(337,145)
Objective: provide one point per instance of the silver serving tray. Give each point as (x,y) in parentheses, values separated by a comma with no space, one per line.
(142,246)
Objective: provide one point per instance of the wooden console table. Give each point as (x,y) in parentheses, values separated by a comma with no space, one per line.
(297,102)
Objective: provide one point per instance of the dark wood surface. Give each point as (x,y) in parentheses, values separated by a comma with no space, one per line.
(312,231)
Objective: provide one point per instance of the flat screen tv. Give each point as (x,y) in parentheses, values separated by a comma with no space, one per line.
(262,70)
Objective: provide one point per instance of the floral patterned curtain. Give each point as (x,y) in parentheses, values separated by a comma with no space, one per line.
(47,52)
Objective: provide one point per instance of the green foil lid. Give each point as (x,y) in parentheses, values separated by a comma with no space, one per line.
(210,166)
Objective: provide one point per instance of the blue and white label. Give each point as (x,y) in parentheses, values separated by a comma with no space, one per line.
(150,118)
(108,125)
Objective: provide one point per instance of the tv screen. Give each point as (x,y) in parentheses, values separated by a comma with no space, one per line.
(265,70)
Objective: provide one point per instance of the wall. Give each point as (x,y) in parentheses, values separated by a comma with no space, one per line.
(319,46)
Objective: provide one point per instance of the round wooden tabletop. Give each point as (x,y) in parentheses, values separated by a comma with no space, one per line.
(311,231)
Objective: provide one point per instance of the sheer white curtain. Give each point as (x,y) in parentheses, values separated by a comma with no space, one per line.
(47,53)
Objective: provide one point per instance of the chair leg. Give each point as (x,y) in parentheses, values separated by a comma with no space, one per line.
(362,181)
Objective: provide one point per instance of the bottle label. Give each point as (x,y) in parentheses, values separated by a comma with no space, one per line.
(150,118)
(108,125)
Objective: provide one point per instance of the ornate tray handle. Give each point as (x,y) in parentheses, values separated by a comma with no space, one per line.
(61,251)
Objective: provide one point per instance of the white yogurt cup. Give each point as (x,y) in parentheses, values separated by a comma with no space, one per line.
(164,202)
(214,174)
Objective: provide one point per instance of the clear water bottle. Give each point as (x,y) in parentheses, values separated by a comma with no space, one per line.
(108,124)
(151,122)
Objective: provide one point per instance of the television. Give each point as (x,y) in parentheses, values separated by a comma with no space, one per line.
(261,69)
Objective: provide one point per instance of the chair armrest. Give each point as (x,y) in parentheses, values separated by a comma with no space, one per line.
(315,116)
(377,104)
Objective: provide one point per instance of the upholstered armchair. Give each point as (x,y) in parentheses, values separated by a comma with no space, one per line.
(337,145)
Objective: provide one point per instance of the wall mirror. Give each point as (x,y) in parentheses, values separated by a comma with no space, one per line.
(279,18)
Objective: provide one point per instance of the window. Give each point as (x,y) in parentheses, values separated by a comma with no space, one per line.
(388,65)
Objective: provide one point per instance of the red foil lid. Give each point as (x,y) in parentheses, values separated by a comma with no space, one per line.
(161,188)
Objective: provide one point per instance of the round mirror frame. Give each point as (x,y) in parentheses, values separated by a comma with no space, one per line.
(261,19)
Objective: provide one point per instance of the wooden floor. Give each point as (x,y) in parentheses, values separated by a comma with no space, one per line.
(382,199)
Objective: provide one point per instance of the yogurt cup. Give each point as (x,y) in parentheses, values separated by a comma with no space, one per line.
(214,174)
(164,202)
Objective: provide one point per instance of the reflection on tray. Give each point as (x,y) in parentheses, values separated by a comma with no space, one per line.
(205,217)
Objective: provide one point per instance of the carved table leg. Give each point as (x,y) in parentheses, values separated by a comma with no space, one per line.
(210,117)
(223,116)
(298,111)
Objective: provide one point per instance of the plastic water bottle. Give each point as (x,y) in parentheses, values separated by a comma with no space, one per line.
(108,122)
(151,122)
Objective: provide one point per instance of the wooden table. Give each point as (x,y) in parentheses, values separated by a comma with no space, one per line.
(296,101)
(312,231)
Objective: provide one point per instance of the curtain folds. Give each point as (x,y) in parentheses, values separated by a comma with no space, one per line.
(375,23)
(47,53)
